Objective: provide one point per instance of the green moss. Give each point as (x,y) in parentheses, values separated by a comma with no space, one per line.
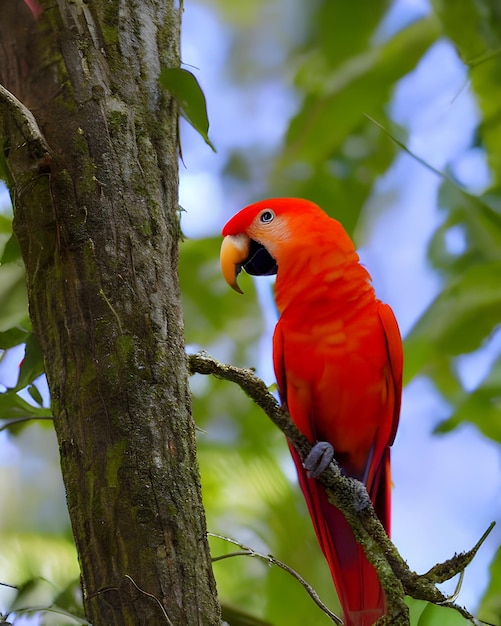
(86,182)
(89,260)
(121,356)
(80,143)
(63,183)
(114,457)
(67,100)
(109,24)
(87,378)
(117,123)
(124,348)
(146,229)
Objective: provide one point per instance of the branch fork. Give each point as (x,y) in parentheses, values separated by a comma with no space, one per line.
(351,497)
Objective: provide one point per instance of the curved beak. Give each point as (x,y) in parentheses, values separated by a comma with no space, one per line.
(234,252)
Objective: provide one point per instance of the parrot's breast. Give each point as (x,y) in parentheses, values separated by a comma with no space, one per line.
(337,381)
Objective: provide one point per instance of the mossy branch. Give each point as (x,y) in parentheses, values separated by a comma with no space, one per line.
(27,125)
(350,496)
(23,143)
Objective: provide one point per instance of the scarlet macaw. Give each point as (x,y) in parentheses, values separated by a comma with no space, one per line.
(337,355)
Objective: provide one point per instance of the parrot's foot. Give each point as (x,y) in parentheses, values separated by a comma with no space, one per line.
(319,458)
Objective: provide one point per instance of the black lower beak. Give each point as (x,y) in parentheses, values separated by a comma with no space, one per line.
(259,262)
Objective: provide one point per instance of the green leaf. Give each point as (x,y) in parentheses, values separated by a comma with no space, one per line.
(336,101)
(41,566)
(474,28)
(354,29)
(32,366)
(11,251)
(213,312)
(342,184)
(481,407)
(13,337)
(490,606)
(458,320)
(13,296)
(9,248)
(35,394)
(426,614)
(184,87)
(5,225)
(236,617)
(28,592)
(12,406)
(68,600)
(54,611)
(478,218)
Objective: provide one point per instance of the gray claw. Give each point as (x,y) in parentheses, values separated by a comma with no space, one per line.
(319,458)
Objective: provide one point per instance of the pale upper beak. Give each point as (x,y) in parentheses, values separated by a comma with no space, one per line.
(234,251)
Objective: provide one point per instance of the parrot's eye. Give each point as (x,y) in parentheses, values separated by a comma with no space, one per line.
(266,216)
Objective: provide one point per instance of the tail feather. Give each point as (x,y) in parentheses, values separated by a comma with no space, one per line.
(356,581)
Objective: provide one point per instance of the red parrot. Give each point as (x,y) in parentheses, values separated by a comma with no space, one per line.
(337,355)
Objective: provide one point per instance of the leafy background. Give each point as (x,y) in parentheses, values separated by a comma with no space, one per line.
(387,114)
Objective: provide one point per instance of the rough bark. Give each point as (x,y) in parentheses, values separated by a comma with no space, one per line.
(96,217)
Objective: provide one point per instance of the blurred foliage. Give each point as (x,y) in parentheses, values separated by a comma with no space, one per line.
(466,314)
(342,63)
(15,410)
(474,27)
(43,579)
(333,153)
(426,614)
(490,609)
(13,297)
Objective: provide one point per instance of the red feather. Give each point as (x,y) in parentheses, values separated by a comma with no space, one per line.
(338,361)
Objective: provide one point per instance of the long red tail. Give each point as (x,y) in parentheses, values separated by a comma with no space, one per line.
(355,579)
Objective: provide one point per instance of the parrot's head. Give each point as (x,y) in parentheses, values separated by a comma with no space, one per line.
(257,236)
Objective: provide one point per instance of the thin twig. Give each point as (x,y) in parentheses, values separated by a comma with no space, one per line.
(442,571)
(230,555)
(246,551)
(150,595)
(146,593)
(406,149)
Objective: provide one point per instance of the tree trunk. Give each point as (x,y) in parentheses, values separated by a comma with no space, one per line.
(96,216)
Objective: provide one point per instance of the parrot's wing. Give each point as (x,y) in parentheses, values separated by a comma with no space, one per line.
(396,359)
(356,580)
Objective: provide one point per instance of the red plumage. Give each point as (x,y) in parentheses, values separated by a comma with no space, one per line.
(338,360)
